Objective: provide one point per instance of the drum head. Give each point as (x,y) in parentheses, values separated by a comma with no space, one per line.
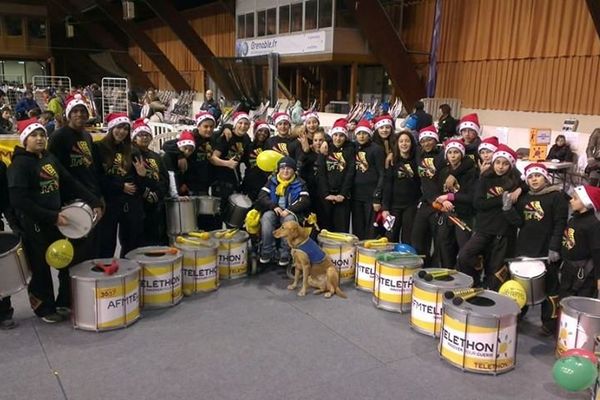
(80,222)
(240,200)
(527,269)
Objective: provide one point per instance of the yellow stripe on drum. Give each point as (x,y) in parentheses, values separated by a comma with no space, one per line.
(160,269)
(424,295)
(119,322)
(201,286)
(193,262)
(460,326)
(224,246)
(405,298)
(117,291)
(395,271)
(234,270)
(425,325)
(477,364)
(162,298)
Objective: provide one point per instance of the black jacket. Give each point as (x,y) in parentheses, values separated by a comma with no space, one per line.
(114,171)
(428,165)
(581,240)
(447,127)
(336,170)
(154,187)
(490,218)
(562,153)
(466,175)
(402,186)
(254,177)
(370,173)
(237,147)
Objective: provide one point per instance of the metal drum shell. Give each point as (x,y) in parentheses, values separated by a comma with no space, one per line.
(535,286)
(431,294)
(206,251)
(238,244)
(207,205)
(365,264)
(493,327)
(148,264)
(578,323)
(15,273)
(339,251)
(83,226)
(181,215)
(95,294)
(238,207)
(399,274)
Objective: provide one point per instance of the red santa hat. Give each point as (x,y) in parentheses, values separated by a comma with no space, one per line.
(506,152)
(260,124)
(74,101)
(203,116)
(238,116)
(491,143)
(281,117)
(140,125)
(429,132)
(364,126)
(537,168)
(589,196)
(26,128)
(339,126)
(470,121)
(115,119)
(308,115)
(186,139)
(383,120)
(454,144)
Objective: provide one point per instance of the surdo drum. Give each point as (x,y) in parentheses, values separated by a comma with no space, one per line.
(81,220)
(14,270)
(578,324)
(238,207)
(161,278)
(207,205)
(365,264)
(101,301)
(531,275)
(480,334)
(232,255)
(200,272)
(181,215)
(342,254)
(393,282)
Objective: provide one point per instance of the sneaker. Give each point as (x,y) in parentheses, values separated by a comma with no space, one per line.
(7,324)
(284,261)
(63,311)
(265,260)
(52,318)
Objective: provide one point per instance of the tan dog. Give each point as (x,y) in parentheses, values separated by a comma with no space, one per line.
(321,275)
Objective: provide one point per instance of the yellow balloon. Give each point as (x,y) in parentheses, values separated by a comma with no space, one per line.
(267,160)
(59,254)
(515,291)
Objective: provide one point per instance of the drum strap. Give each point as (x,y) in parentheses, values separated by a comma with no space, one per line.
(553,300)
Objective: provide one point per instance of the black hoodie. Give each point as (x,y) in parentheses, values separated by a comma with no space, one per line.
(154,187)
(402,184)
(370,173)
(336,170)
(466,175)
(487,201)
(581,240)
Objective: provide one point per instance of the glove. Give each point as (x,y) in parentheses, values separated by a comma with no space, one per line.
(506,202)
(553,256)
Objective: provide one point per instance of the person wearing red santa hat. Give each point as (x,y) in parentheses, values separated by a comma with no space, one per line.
(580,273)
(178,178)
(121,184)
(486,150)
(336,175)
(367,190)
(36,182)
(154,184)
(284,142)
(541,213)
(470,131)
(493,235)
(456,201)
(255,178)
(383,135)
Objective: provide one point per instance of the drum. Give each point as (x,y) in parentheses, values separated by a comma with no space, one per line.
(207,205)
(81,218)
(181,215)
(14,270)
(578,324)
(342,254)
(531,275)
(393,281)
(365,264)
(480,335)
(239,205)
(103,302)
(160,282)
(200,273)
(427,296)
(232,255)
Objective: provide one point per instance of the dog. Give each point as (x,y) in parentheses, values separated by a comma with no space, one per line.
(319,273)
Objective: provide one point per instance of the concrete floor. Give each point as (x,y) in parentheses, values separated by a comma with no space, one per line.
(253,339)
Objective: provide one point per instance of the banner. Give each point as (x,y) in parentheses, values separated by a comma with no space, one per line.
(313,42)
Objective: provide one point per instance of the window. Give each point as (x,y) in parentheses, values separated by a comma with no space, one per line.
(310,15)
(261,21)
(36,28)
(296,17)
(241,22)
(284,19)
(271,21)
(14,25)
(325,13)
(250,25)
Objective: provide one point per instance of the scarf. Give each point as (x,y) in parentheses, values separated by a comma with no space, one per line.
(283,184)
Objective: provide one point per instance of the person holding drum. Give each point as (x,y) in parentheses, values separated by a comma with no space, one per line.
(37,182)
(154,185)
(255,178)
(121,183)
(580,273)
(541,213)
(283,198)
(174,151)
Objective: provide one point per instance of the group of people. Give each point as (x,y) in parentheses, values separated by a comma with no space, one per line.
(461,204)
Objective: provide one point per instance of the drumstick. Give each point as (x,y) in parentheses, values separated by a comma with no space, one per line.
(345,237)
(461,293)
(169,251)
(200,235)
(457,301)
(181,239)
(439,272)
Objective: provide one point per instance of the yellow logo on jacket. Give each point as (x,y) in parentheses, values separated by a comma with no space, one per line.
(534,211)
(568,240)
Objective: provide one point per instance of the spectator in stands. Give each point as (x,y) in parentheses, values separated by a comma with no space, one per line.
(135,108)
(592,152)
(3,99)
(34,113)
(24,105)
(446,123)
(561,150)
(55,105)
(47,119)
(153,109)
(6,122)
(423,119)
(297,113)
(211,105)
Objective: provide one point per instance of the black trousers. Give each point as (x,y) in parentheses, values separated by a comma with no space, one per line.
(450,239)
(551,302)
(572,285)
(496,248)
(335,216)
(6,310)
(155,226)
(403,225)
(424,230)
(362,219)
(128,216)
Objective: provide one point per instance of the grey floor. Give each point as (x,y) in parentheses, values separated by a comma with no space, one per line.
(253,339)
